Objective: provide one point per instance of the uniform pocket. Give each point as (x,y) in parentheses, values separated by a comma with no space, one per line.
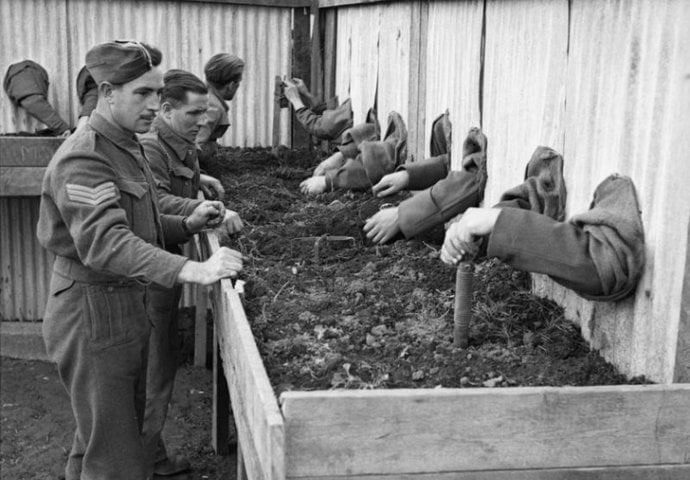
(181,180)
(116,314)
(136,201)
(59,284)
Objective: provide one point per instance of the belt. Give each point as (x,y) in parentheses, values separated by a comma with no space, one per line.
(76,271)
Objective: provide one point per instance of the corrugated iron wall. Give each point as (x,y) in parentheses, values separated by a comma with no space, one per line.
(605,82)
(25,266)
(58,33)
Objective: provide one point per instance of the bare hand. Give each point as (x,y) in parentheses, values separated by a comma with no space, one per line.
(232,222)
(292,94)
(313,185)
(301,86)
(209,214)
(392,183)
(222,264)
(333,162)
(459,242)
(383,225)
(212,187)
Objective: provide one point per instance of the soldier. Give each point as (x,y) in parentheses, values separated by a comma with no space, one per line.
(223,74)
(599,254)
(324,120)
(87,90)
(172,154)
(446,193)
(26,84)
(99,216)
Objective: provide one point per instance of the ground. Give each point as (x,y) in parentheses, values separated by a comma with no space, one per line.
(328,310)
(37,423)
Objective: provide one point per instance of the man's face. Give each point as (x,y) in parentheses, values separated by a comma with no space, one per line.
(186,118)
(134,104)
(231,88)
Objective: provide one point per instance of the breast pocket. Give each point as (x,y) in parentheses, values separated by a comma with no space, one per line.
(137,203)
(181,181)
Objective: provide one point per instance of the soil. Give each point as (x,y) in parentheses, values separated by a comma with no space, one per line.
(329,309)
(37,423)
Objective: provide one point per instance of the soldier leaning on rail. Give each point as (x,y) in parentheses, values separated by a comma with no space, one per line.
(223,73)
(99,216)
(173,157)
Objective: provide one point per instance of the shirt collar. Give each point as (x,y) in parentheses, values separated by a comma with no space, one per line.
(177,143)
(219,99)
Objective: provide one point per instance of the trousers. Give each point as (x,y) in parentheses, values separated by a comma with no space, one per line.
(98,333)
(164,348)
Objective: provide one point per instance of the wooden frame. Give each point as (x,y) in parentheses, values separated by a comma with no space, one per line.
(609,432)
(23,162)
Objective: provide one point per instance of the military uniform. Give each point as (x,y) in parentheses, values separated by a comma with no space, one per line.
(87,92)
(174,163)
(599,254)
(367,159)
(448,197)
(99,215)
(26,84)
(216,125)
(326,123)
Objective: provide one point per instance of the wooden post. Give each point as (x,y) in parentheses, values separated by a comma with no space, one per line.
(301,67)
(221,403)
(276,110)
(463,304)
(200,332)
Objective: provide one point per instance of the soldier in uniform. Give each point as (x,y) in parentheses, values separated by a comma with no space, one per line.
(223,74)
(99,216)
(26,84)
(172,155)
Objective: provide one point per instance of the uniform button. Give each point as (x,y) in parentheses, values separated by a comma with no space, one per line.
(110,289)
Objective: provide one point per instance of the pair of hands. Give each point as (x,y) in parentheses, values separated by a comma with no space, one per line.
(212,214)
(211,187)
(383,225)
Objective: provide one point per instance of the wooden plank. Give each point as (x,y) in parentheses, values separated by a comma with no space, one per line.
(417,98)
(330,41)
(220,429)
(259,423)
(17,151)
(200,331)
(447,430)
(639,472)
(21,181)
(301,67)
(316,81)
(344,3)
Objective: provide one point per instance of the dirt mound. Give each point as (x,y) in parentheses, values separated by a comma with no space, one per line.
(331,310)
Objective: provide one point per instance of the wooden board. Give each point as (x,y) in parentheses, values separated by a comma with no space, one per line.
(642,472)
(17,151)
(21,181)
(259,423)
(462,430)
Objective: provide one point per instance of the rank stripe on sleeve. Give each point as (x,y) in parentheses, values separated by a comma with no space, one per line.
(92,196)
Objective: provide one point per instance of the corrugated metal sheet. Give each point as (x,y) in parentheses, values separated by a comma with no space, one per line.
(25,267)
(524,86)
(452,68)
(57,34)
(628,104)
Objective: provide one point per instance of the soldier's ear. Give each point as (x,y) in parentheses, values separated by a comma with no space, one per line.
(166,109)
(105,90)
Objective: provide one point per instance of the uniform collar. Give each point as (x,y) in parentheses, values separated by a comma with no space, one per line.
(115,134)
(217,97)
(177,143)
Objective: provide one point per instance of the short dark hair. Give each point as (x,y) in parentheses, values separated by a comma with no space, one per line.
(177,83)
(223,68)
